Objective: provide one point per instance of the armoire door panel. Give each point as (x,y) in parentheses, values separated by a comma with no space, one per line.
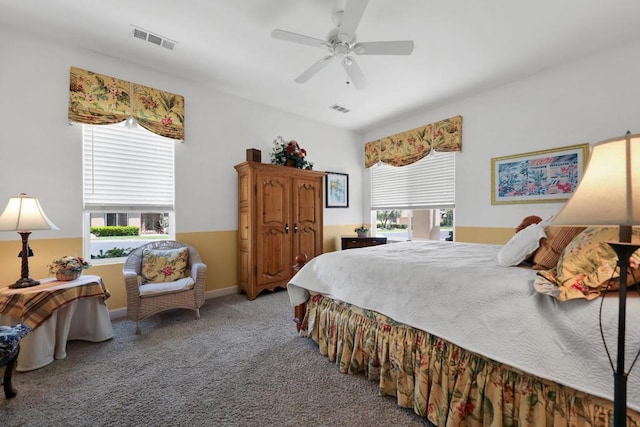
(306,243)
(306,201)
(274,227)
(274,263)
(273,198)
(307,211)
(279,217)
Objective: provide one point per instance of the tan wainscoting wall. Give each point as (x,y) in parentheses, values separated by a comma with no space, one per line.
(495,235)
(218,250)
(333,233)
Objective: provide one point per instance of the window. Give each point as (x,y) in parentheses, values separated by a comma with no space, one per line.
(128,189)
(415,201)
(117,219)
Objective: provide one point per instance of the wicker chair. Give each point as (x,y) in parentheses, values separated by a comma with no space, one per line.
(140,307)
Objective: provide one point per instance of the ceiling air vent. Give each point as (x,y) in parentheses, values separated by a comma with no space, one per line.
(139,34)
(339,108)
(156,39)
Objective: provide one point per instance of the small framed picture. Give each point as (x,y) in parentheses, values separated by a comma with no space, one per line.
(337,190)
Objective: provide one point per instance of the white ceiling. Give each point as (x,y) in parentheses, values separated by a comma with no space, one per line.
(462,47)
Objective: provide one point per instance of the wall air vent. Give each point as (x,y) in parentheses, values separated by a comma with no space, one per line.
(339,108)
(142,34)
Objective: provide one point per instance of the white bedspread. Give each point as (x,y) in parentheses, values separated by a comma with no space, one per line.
(457,292)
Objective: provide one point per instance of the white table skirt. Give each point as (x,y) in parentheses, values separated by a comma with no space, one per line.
(84,319)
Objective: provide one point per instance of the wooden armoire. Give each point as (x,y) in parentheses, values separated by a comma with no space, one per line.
(279,218)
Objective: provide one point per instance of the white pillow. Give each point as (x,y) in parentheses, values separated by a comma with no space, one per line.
(522,245)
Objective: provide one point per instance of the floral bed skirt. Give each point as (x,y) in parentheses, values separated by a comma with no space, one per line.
(441,381)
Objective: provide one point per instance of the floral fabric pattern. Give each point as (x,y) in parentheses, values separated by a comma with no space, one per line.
(159,112)
(99,99)
(441,381)
(10,337)
(163,265)
(447,134)
(587,266)
(410,146)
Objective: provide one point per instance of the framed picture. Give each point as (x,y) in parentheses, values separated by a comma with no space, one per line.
(337,190)
(539,176)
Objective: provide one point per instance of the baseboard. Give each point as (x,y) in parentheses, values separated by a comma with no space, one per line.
(119,313)
(216,293)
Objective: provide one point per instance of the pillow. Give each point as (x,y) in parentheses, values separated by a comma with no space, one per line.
(586,265)
(521,245)
(547,256)
(164,265)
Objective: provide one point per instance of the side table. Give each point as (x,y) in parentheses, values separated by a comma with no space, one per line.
(352,242)
(57,312)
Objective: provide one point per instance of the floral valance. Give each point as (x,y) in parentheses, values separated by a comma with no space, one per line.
(99,100)
(410,146)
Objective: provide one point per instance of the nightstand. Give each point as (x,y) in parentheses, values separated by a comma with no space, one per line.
(352,242)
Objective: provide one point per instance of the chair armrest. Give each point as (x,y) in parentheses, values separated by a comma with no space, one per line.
(130,280)
(198,269)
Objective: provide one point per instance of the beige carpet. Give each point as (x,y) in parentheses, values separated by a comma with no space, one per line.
(241,364)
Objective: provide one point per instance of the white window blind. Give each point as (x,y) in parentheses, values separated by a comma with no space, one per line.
(127,169)
(426,184)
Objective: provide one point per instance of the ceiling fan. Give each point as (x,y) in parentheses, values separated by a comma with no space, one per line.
(342,44)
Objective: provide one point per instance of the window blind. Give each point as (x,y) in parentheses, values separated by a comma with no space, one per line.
(428,183)
(127,169)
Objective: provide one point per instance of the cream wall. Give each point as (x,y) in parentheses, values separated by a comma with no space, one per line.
(40,154)
(586,101)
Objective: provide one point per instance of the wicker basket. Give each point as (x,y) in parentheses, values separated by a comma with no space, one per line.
(66,275)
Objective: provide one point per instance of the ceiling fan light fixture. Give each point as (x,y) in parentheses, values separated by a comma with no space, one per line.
(344,37)
(341,42)
(340,50)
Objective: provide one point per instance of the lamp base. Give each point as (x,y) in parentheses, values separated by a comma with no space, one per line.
(25,282)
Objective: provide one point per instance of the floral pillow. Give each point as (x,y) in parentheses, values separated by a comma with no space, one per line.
(586,266)
(164,265)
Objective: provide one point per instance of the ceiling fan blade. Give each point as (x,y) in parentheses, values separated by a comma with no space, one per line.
(298,38)
(354,72)
(399,47)
(351,18)
(311,71)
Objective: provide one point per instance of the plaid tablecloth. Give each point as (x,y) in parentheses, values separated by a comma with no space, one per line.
(35,305)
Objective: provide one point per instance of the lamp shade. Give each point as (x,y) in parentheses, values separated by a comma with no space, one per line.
(23,213)
(609,192)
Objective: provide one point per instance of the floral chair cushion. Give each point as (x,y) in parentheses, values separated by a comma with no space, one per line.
(163,265)
(10,337)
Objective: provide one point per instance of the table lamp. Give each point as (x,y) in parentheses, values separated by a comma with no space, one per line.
(609,195)
(24,214)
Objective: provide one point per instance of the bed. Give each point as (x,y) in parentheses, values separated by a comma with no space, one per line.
(464,341)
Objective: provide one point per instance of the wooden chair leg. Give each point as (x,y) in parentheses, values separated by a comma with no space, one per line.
(137,327)
(9,391)
(197,313)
